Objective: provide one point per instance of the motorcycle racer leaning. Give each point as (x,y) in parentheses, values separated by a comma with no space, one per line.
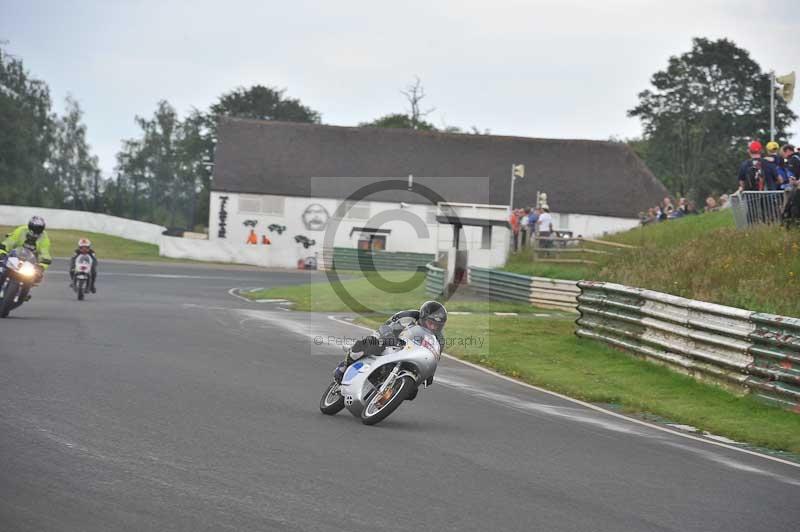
(84,248)
(431,316)
(35,238)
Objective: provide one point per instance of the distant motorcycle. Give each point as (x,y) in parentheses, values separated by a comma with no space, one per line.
(374,386)
(83,274)
(21,274)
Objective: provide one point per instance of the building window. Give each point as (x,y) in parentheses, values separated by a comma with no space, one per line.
(249,204)
(356,210)
(272,205)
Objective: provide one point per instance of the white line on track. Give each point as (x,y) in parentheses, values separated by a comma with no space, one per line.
(234,292)
(597,408)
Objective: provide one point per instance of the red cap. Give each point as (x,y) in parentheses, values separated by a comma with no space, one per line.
(754,147)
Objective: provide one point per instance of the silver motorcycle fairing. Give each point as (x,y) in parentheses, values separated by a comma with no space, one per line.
(418,359)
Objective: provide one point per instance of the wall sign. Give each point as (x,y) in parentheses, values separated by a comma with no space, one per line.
(315,217)
(223,216)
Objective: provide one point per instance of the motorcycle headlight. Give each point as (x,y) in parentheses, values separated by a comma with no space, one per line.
(27,270)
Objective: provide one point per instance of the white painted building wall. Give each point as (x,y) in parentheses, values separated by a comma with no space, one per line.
(591,226)
(293,213)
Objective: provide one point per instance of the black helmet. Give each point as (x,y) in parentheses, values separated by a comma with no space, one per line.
(36,225)
(432,316)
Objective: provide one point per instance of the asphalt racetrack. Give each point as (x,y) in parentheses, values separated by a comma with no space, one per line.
(164,403)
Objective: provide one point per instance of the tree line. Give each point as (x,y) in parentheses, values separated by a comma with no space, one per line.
(696,120)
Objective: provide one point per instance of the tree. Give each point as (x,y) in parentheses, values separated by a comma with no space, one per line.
(701,112)
(26,132)
(262,103)
(413,118)
(74,172)
(400,121)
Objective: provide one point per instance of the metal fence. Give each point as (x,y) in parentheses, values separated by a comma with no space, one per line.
(748,351)
(434,281)
(357,259)
(538,291)
(757,207)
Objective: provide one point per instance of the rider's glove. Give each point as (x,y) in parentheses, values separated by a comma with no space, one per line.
(2,249)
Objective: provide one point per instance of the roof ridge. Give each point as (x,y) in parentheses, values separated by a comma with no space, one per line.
(401,131)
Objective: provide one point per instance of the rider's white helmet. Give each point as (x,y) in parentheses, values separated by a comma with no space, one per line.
(84,243)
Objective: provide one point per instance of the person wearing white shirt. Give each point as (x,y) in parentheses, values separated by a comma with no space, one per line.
(545,225)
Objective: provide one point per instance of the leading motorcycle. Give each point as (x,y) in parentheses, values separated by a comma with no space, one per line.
(375,386)
(21,271)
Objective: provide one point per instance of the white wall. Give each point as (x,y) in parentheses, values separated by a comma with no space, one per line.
(83,221)
(223,251)
(403,236)
(591,226)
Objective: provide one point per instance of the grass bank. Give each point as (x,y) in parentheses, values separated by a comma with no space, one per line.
(64,241)
(700,257)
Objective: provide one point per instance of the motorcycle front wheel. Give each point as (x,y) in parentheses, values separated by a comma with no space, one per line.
(332,401)
(80,288)
(9,294)
(379,406)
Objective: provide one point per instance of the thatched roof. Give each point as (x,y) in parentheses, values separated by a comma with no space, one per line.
(579,176)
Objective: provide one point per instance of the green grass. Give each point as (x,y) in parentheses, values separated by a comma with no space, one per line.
(545,352)
(64,241)
(370,292)
(700,257)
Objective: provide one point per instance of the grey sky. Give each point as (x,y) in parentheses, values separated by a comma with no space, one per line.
(567,69)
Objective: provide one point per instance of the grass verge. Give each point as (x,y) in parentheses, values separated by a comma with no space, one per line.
(386,292)
(64,241)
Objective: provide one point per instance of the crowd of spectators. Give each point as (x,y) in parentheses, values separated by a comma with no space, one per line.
(531,223)
(778,169)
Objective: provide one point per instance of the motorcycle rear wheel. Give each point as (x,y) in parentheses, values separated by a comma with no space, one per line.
(332,401)
(9,294)
(376,411)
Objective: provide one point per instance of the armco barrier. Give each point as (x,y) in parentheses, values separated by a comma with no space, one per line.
(356,259)
(83,221)
(744,350)
(539,291)
(434,281)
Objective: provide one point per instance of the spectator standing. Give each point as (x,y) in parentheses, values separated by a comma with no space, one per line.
(533,217)
(791,161)
(724,202)
(513,219)
(774,161)
(545,226)
(753,175)
(711,204)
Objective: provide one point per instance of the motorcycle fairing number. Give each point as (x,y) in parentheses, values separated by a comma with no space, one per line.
(351,372)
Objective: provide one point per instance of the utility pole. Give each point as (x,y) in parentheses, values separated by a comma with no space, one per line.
(772,105)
